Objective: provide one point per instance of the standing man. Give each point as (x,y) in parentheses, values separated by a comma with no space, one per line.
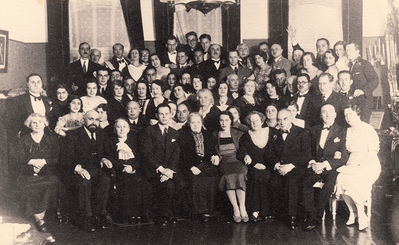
(213,66)
(104,90)
(243,52)
(328,143)
(205,41)
(117,62)
(169,58)
(78,72)
(365,79)
(234,67)
(279,62)
(161,153)
(95,56)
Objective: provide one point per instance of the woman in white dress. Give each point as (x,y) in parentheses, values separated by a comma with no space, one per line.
(135,68)
(356,178)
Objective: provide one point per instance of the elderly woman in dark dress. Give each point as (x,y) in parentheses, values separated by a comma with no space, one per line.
(248,102)
(234,172)
(37,159)
(257,152)
(134,196)
(207,109)
(199,161)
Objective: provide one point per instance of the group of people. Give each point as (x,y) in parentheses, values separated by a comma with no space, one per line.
(162,136)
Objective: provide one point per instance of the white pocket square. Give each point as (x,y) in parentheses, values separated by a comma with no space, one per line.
(336,140)
(173,140)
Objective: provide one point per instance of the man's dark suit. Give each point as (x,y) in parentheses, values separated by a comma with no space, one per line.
(179,70)
(242,72)
(76,75)
(296,150)
(161,150)
(309,109)
(364,78)
(80,149)
(164,57)
(19,108)
(115,63)
(107,93)
(208,68)
(335,142)
(338,101)
(136,129)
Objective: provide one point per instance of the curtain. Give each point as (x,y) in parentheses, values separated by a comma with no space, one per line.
(132,15)
(100,23)
(278,23)
(57,54)
(231,26)
(352,20)
(194,20)
(314,19)
(163,18)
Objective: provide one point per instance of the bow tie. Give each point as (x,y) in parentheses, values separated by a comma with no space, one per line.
(285,131)
(36,98)
(216,61)
(120,61)
(327,128)
(172,53)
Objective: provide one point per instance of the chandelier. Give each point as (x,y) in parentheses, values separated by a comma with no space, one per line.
(205,6)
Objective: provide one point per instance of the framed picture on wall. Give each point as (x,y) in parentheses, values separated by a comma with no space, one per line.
(3,51)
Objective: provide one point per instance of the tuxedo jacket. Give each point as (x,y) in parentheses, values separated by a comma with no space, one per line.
(296,147)
(112,154)
(108,93)
(339,102)
(208,68)
(160,150)
(19,108)
(243,73)
(335,142)
(165,59)
(137,129)
(309,110)
(364,77)
(115,63)
(189,156)
(79,149)
(76,75)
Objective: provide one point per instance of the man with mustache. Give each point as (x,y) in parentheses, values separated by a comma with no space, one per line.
(80,70)
(88,171)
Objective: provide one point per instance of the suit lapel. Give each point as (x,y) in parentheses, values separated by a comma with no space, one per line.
(28,104)
(331,134)
(319,129)
(304,106)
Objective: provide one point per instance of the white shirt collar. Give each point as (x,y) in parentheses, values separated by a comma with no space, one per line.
(89,133)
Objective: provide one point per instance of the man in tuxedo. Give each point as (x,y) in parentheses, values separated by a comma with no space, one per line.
(234,85)
(117,62)
(212,66)
(130,87)
(78,72)
(235,68)
(182,62)
(345,82)
(365,79)
(293,150)
(198,59)
(168,58)
(20,107)
(280,76)
(328,144)
(205,41)
(161,153)
(104,89)
(135,119)
(95,56)
(280,62)
(192,44)
(306,101)
(291,89)
(329,96)
(90,170)
(243,52)
(150,75)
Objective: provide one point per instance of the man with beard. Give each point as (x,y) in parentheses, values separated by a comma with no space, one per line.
(84,158)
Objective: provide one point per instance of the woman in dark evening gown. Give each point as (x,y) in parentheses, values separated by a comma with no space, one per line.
(37,159)
(60,106)
(248,102)
(199,162)
(257,152)
(233,180)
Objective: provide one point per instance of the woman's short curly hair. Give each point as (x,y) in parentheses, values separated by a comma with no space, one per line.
(248,117)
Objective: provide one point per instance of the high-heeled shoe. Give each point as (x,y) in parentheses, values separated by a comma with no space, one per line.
(351,219)
(237,219)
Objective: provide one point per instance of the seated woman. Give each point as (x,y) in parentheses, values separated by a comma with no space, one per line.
(262,71)
(37,161)
(135,68)
(355,180)
(235,111)
(330,59)
(133,192)
(92,100)
(180,93)
(142,96)
(234,172)
(271,116)
(211,84)
(248,102)
(257,152)
(171,80)
(273,97)
(60,106)
(223,99)
(199,161)
(72,120)
(117,103)
(208,110)
(157,89)
(145,56)
(308,61)
(162,72)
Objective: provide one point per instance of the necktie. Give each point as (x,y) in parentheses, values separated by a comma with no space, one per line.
(324,99)
(236,70)
(36,98)
(165,131)
(327,128)
(92,137)
(84,67)
(102,90)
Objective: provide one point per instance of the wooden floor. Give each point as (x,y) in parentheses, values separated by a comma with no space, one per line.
(384,227)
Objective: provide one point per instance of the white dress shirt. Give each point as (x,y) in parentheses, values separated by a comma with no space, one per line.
(172,57)
(85,63)
(323,136)
(38,105)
